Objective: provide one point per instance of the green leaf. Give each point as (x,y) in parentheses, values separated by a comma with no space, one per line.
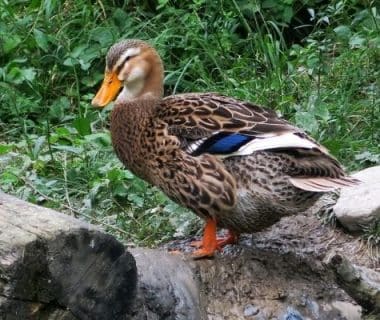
(321,110)
(288,14)
(103,35)
(84,65)
(120,17)
(18,75)
(136,199)
(114,174)
(91,53)
(5,148)
(368,156)
(78,51)
(356,41)
(50,6)
(313,61)
(69,149)
(266,4)
(10,43)
(307,121)
(101,138)
(162,3)
(58,109)
(41,39)
(38,146)
(129,175)
(69,62)
(62,131)
(8,178)
(120,190)
(83,126)
(29,74)
(92,80)
(343,32)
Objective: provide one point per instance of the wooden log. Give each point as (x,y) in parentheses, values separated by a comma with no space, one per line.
(168,287)
(53,266)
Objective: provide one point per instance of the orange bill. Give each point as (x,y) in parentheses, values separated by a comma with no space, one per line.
(110,88)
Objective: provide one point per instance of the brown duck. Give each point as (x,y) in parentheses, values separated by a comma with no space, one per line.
(235,164)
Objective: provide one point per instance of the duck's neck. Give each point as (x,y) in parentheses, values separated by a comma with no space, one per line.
(128,121)
(133,114)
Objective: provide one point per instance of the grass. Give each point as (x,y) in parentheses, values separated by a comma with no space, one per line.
(323,75)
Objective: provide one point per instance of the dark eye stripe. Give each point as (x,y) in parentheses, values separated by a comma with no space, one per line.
(118,69)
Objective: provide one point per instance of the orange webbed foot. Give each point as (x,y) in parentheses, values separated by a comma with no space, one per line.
(210,243)
(231,238)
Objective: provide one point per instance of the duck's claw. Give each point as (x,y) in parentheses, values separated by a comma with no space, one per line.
(203,253)
(196,244)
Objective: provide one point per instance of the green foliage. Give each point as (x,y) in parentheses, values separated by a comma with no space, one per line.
(55,149)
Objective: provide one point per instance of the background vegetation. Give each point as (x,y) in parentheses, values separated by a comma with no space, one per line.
(316,62)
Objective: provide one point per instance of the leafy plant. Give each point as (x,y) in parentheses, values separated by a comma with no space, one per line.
(315,63)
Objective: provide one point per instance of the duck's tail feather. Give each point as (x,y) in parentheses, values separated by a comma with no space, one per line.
(323,184)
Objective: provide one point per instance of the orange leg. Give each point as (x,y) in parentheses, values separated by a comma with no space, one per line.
(231,238)
(210,243)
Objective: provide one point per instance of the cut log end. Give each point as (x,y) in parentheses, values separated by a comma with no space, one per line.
(51,263)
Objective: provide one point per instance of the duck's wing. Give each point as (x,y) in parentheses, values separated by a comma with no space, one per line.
(215,124)
(209,123)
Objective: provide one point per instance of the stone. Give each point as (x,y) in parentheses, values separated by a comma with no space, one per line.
(292,314)
(361,283)
(348,310)
(250,310)
(358,207)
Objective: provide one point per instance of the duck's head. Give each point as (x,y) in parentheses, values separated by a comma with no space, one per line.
(133,66)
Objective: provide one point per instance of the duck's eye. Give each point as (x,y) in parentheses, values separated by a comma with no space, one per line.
(126,59)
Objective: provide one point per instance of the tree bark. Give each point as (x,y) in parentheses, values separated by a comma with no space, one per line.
(53,266)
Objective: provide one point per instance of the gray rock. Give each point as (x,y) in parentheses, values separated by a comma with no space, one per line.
(292,314)
(361,283)
(359,206)
(348,310)
(250,310)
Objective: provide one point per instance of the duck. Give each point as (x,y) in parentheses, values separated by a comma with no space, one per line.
(235,164)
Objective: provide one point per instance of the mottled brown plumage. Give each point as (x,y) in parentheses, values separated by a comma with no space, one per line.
(235,164)
(146,148)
